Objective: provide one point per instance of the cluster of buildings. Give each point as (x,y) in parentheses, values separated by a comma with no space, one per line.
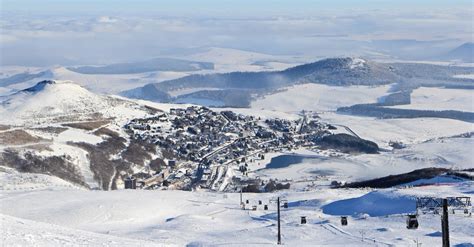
(203,145)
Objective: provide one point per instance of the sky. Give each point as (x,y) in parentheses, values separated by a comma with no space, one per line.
(186,6)
(52,32)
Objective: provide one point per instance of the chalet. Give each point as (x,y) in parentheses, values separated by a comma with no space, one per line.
(171,163)
(130,183)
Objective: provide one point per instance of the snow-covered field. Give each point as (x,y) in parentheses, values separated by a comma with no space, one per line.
(408,131)
(425,98)
(318,97)
(176,218)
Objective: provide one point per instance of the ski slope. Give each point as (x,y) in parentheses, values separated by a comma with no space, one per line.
(178,218)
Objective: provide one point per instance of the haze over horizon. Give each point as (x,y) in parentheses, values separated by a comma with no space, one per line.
(97,32)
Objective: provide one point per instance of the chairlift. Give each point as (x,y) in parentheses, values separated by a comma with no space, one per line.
(303,220)
(265,207)
(254,208)
(412,221)
(344,220)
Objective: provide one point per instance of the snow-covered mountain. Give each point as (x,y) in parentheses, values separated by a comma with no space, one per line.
(51,99)
(239,88)
(463,53)
(240,85)
(62,129)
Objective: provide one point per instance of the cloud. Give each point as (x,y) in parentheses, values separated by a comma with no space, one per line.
(104,37)
(106,19)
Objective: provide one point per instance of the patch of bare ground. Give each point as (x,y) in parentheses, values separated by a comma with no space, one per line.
(89,125)
(138,151)
(157,164)
(4,127)
(105,132)
(51,129)
(168,154)
(76,117)
(40,147)
(58,166)
(107,170)
(152,110)
(18,137)
(100,164)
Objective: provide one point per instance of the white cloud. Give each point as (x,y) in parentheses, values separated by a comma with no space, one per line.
(106,19)
(125,36)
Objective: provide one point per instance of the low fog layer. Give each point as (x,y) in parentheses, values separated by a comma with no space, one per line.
(73,33)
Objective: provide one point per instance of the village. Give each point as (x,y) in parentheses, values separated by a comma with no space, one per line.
(206,148)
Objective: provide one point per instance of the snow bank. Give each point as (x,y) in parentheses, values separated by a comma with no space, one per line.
(375,203)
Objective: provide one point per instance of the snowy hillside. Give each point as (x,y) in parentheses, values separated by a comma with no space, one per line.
(73,217)
(62,129)
(49,99)
(240,89)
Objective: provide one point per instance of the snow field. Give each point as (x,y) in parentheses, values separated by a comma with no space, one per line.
(425,98)
(319,97)
(213,219)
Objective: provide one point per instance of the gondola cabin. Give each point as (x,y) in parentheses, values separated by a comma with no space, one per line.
(344,220)
(303,220)
(412,221)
